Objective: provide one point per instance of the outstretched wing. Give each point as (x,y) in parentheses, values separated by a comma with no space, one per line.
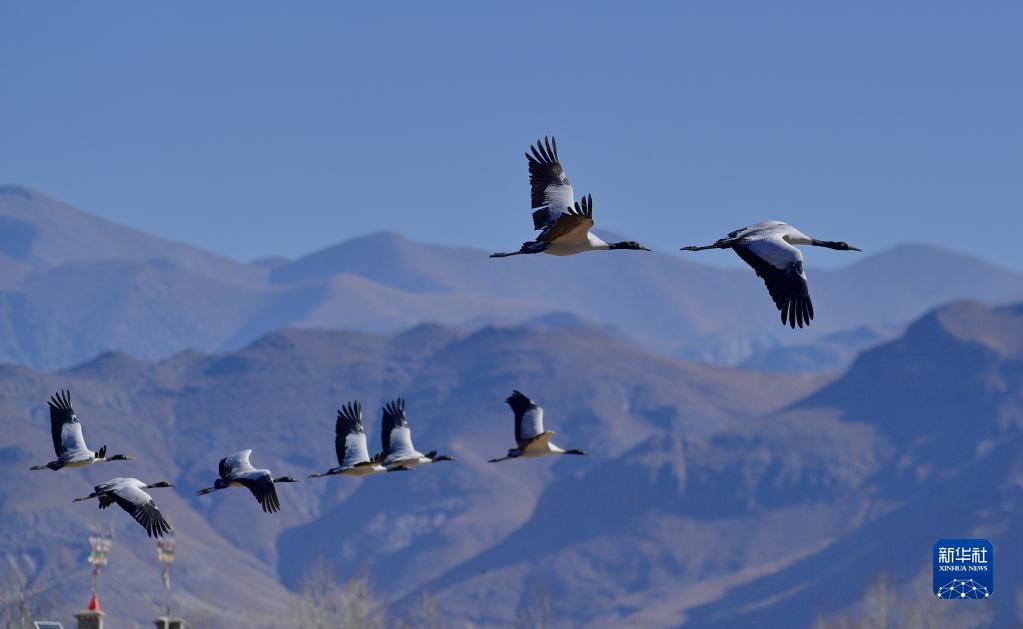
(550,191)
(64,426)
(573,224)
(762,227)
(263,488)
(395,434)
(350,436)
(110,485)
(236,464)
(528,416)
(140,506)
(780,265)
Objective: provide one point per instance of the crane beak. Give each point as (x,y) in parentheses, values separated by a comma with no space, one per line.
(851,248)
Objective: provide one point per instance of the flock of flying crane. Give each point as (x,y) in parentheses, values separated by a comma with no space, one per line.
(564,225)
(235,470)
(768,247)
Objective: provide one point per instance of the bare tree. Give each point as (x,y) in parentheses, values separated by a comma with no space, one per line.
(201,615)
(884,606)
(837,620)
(360,609)
(424,613)
(325,604)
(879,603)
(22,603)
(536,609)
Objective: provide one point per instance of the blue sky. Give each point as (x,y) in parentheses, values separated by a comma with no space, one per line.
(255,129)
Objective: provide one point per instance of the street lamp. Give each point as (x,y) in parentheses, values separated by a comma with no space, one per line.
(165,553)
(99,551)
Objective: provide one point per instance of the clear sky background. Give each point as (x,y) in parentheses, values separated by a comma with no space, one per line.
(258,128)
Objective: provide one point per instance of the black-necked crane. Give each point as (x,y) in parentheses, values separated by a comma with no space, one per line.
(68,442)
(350,444)
(130,495)
(770,248)
(531,439)
(237,471)
(396,438)
(564,224)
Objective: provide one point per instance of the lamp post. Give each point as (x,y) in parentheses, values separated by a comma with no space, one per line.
(99,551)
(165,553)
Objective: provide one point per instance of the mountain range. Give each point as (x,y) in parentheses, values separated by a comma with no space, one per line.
(73,285)
(180,415)
(713,496)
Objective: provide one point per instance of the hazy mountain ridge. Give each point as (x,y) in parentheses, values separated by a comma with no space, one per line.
(844,485)
(714,496)
(41,232)
(73,285)
(831,352)
(278,395)
(947,398)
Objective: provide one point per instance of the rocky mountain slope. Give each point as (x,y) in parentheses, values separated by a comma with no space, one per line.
(278,396)
(713,496)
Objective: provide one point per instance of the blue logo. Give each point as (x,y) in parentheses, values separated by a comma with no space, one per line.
(964,568)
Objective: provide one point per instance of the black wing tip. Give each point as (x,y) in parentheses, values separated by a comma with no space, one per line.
(584,206)
(395,408)
(545,171)
(519,402)
(352,411)
(159,528)
(271,504)
(544,151)
(61,400)
(516,396)
(551,151)
(151,519)
(796,312)
(787,287)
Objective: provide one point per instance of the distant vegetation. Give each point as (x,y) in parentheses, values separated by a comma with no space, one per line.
(884,605)
(21,602)
(325,603)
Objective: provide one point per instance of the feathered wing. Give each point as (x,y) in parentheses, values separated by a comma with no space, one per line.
(550,191)
(761,227)
(263,488)
(395,434)
(232,465)
(109,485)
(140,506)
(350,436)
(780,265)
(573,224)
(73,443)
(65,429)
(528,417)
